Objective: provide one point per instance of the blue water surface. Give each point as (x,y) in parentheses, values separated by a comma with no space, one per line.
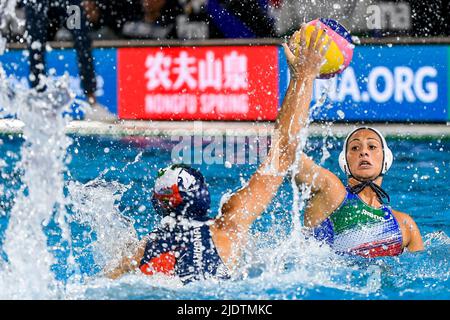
(418,184)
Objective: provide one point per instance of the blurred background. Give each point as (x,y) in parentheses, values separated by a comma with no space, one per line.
(211,19)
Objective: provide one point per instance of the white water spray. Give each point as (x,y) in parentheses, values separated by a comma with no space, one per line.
(26,274)
(95,205)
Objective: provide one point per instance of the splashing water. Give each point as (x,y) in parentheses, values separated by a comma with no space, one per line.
(26,273)
(94,205)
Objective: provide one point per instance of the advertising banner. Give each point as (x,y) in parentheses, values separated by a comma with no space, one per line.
(59,61)
(198,83)
(382,83)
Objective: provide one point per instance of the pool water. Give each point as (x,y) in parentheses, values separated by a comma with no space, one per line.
(106,176)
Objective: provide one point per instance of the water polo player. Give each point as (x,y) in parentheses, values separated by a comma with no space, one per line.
(188,244)
(357,219)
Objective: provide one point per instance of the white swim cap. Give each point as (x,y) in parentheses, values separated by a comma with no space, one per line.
(388,157)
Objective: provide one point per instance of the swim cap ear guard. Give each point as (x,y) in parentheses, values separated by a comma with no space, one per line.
(181,190)
(388,157)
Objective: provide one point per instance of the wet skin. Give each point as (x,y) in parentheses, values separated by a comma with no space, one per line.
(365,160)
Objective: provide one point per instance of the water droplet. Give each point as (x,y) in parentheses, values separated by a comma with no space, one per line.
(336,6)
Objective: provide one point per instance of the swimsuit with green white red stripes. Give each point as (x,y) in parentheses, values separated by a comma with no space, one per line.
(359,229)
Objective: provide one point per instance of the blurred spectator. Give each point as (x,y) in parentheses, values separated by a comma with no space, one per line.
(194,22)
(202,19)
(107,17)
(43,18)
(240,19)
(158,20)
(392,17)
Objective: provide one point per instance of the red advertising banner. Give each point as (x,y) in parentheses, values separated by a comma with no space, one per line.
(198,83)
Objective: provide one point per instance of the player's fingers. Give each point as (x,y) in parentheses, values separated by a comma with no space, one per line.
(313,39)
(288,53)
(303,37)
(321,40)
(325,47)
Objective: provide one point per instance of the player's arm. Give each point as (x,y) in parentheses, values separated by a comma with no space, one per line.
(412,239)
(128,263)
(244,206)
(327,190)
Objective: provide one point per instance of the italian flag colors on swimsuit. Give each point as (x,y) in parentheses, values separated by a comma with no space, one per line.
(359,229)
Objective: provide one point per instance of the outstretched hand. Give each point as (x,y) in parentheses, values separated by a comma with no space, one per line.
(241,209)
(309,57)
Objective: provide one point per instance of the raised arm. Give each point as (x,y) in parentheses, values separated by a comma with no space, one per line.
(244,206)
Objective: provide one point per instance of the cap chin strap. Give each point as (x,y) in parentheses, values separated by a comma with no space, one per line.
(382,195)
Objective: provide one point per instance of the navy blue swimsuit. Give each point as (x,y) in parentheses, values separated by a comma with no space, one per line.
(186,251)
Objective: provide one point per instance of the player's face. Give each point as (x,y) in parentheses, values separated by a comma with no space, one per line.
(365,154)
